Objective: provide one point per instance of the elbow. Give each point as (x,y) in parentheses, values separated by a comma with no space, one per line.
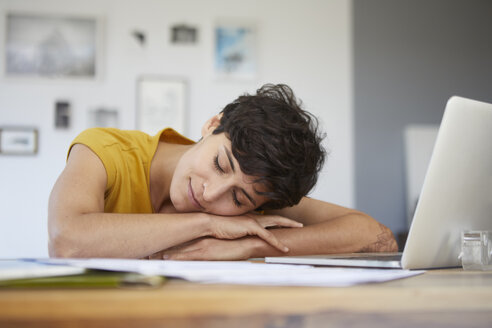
(387,241)
(61,247)
(382,240)
(62,243)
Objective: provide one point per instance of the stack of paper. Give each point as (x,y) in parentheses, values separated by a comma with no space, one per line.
(18,269)
(43,274)
(243,272)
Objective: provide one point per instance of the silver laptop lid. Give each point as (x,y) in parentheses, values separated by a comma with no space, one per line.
(457,191)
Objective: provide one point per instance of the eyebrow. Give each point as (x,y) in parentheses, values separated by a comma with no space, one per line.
(229,157)
(248,196)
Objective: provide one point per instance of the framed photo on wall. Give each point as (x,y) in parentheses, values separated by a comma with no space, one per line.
(18,141)
(103,118)
(184,34)
(161,103)
(52,46)
(235,47)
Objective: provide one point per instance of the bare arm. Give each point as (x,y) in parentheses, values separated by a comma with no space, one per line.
(331,228)
(328,229)
(78,226)
(346,234)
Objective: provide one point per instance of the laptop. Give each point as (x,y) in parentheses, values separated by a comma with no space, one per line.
(456,196)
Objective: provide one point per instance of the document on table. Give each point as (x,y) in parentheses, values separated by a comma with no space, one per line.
(243,272)
(18,269)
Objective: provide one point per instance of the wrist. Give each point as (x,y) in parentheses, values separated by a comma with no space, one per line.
(206,224)
(255,246)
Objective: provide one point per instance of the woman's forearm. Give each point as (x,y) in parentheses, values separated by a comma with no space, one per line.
(140,235)
(123,235)
(346,234)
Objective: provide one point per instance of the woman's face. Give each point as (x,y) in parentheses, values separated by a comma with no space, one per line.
(208,179)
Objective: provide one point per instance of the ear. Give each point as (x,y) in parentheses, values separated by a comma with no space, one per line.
(211,125)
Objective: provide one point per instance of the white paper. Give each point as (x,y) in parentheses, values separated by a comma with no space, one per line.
(22,269)
(243,272)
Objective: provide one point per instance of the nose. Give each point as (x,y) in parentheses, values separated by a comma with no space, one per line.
(214,190)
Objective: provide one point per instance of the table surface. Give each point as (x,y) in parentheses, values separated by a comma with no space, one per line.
(438,298)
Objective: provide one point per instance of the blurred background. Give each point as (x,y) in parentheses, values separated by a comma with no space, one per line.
(377,73)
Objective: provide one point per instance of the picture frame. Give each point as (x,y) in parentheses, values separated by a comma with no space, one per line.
(183,34)
(52,46)
(103,118)
(63,113)
(18,141)
(161,103)
(236,51)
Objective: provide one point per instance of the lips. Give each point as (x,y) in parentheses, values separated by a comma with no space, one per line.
(191,196)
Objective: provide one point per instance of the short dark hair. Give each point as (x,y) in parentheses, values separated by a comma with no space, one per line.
(276,141)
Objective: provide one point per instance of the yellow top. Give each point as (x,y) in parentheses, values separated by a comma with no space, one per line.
(127,156)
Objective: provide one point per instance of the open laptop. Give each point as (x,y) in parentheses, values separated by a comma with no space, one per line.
(456,196)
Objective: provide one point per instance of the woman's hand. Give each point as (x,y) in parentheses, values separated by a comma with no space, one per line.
(234,227)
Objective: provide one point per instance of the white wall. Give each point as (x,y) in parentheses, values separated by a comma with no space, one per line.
(305,44)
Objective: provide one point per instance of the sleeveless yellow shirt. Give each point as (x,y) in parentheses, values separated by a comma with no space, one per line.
(127,155)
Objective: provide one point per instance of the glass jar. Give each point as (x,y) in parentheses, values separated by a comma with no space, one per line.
(476,250)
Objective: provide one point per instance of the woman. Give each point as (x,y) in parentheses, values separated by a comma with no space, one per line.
(126,194)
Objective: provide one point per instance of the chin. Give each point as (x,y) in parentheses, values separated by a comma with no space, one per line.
(178,206)
(183,206)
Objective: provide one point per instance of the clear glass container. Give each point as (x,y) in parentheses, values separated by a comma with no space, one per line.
(476,250)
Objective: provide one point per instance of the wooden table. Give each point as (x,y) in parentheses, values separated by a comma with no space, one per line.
(438,298)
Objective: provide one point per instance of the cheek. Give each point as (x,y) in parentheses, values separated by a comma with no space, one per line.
(175,195)
(178,188)
(187,166)
(195,164)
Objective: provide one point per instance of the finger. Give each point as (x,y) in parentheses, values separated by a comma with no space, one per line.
(271,239)
(270,221)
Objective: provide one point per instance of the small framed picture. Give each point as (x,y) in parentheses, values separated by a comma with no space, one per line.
(18,141)
(62,114)
(103,118)
(235,50)
(184,34)
(161,103)
(52,46)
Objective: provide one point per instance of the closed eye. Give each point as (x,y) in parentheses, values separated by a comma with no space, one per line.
(217,165)
(237,203)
